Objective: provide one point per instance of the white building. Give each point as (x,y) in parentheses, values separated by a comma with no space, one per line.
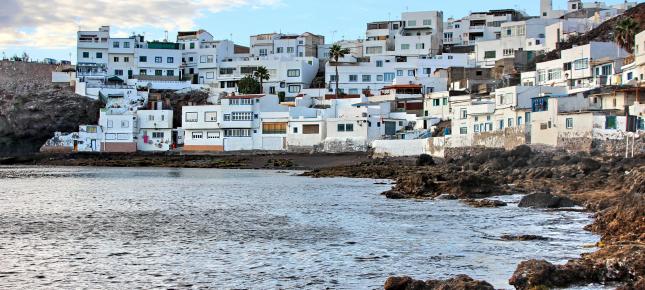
(583,67)
(421,34)
(290,45)
(92,54)
(161,60)
(121,57)
(155,130)
(477,26)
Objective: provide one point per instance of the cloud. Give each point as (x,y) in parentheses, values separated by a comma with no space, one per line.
(53,23)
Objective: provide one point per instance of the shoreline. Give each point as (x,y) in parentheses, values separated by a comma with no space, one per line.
(611,188)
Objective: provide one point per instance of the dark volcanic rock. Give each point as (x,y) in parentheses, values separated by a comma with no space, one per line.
(588,165)
(523,238)
(485,203)
(425,160)
(545,200)
(460,282)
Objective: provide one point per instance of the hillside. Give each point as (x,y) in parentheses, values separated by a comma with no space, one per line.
(604,32)
(32,108)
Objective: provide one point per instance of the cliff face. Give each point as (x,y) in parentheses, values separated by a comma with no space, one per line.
(32,108)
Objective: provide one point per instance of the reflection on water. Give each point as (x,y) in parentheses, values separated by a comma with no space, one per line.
(168,228)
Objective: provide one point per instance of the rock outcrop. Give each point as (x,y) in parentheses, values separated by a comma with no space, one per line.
(545,200)
(460,282)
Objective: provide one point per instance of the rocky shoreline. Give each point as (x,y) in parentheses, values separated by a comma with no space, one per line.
(611,187)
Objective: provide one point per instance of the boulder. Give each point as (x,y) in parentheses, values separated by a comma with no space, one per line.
(425,160)
(545,200)
(460,282)
(523,238)
(588,165)
(485,203)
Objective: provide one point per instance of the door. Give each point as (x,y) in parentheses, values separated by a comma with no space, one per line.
(129,74)
(390,128)
(75,146)
(93,145)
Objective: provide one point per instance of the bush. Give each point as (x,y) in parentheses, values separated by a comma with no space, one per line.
(248,85)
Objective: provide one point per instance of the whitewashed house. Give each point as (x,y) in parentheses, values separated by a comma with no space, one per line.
(155,130)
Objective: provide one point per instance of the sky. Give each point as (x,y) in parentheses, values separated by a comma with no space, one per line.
(47,28)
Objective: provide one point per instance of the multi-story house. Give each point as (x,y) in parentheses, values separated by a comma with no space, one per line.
(158,61)
(526,35)
(191,43)
(155,130)
(478,26)
(121,57)
(119,130)
(420,34)
(583,67)
(355,48)
(380,37)
(92,54)
(292,45)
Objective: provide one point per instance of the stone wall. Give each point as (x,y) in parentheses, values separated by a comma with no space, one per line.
(114,147)
(507,139)
(615,147)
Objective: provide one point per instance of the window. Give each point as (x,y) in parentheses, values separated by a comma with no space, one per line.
(118,72)
(125,58)
(463,114)
(519,121)
(490,54)
(191,117)
(293,73)
(310,129)
(554,74)
(509,52)
(158,59)
(353,78)
(158,72)
(427,22)
(226,71)
(399,73)
(412,23)
(463,130)
(126,45)
(143,72)
(157,135)
(210,75)
(263,52)
(295,130)
(436,102)
(379,78)
(411,73)
(241,116)
(125,124)
(240,102)
(332,78)
(569,122)
(294,89)
(374,50)
(566,66)
(110,136)
(379,63)
(290,50)
(388,77)
(122,136)
(192,45)
(510,122)
(367,78)
(541,76)
(581,64)
(197,135)
(237,133)
(143,58)
(212,135)
(86,54)
(116,59)
(110,123)
(405,46)
(345,128)
(210,116)
(170,59)
(115,44)
(445,101)
(170,73)
(274,128)
(91,129)
(151,117)
(420,46)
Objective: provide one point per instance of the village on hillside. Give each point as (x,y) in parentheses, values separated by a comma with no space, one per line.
(418,85)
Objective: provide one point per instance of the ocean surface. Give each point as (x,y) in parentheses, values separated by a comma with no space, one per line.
(116,228)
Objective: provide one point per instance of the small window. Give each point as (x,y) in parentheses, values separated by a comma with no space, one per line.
(210,116)
(353,78)
(490,54)
(157,135)
(115,44)
(212,135)
(86,54)
(170,59)
(191,117)
(143,58)
(110,123)
(463,130)
(158,59)
(464,114)
(293,73)
(367,78)
(379,63)
(125,124)
(197,135)
(569,122)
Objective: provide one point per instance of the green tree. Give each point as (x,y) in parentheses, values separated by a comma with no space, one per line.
(625,32)
(262,74)
(248,85)
(336,52)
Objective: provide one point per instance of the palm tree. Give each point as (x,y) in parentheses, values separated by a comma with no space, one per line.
(262,74)
(625,32)
(336,52)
